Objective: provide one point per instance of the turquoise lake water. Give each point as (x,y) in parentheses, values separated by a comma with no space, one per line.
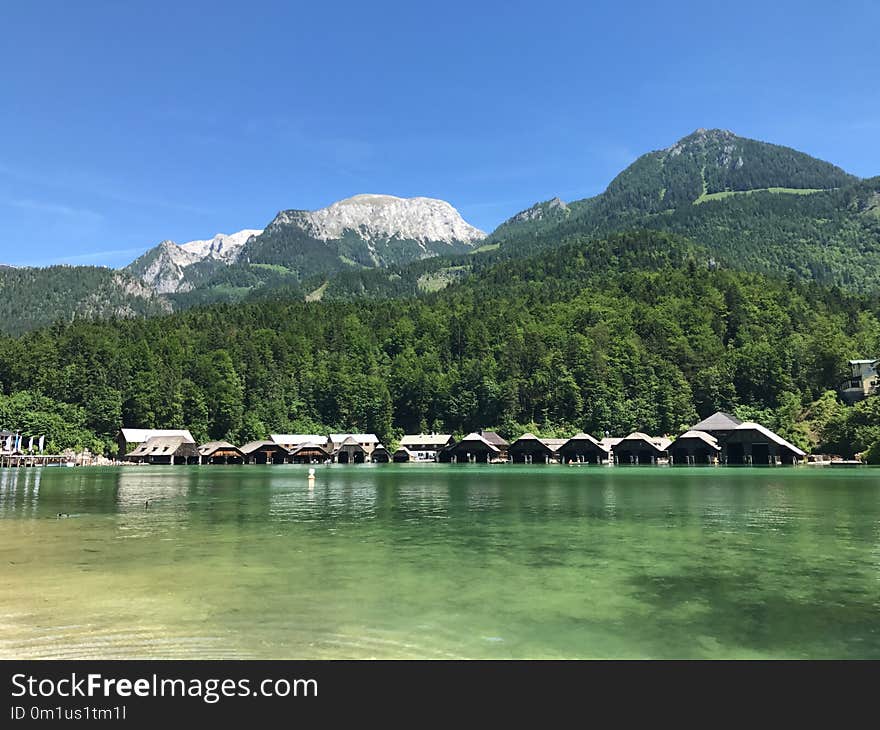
(439,561)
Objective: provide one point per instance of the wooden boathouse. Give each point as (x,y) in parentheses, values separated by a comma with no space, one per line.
(583,449)
(128,439)
(349,452)
(753,444)
(220,452)
(425,446)
(264,452)
(695,447)
(315,453)
(529,449)
(477,447)
(165,450)
(639,448)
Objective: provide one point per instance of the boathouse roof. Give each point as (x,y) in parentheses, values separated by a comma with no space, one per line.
(589,439)
(425,438)
(140,435)
(493,438)
(310,447)
(212,447)
(775,437)
(707,438)
(160,446)
(360,438)
(661,443)
(554,444)
(475,437)
(252,446)
(292,439)
(718,421)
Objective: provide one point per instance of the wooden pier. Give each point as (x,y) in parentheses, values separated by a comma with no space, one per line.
(16,461)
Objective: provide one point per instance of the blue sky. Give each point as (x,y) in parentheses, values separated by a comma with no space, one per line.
(125,123)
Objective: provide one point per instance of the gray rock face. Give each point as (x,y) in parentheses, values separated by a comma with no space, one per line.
(385,216)
(539,211)
(371,230)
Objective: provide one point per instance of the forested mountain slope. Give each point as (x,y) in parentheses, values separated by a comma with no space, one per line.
(36,297)
(752,206)
(755,206)
(636,331)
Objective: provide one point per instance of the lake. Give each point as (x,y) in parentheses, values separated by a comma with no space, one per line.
(439,562)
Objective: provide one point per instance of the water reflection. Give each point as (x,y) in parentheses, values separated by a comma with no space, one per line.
(20,490)
(438,561)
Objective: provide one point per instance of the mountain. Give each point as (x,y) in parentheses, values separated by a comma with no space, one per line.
(712,162)
(170,267)
(163,268)
(535,218)
(749,205)
(221,247)
(363,231)
(634,331)
(36,297)
(754,205)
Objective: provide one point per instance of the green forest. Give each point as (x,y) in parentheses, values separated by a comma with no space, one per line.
(636,331)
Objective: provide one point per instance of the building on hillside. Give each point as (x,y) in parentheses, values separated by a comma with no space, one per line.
(367,441)
(639,448)
(529,449)
(264,452)
(349,451)
(380,455)
(290,441)
(864,380)
(165,450)
(583,449)
(425,446)
(220,452)
(752,443)
(130,438)
(695,447)
(475,448)
(309,454)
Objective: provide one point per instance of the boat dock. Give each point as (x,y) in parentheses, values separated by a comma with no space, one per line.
(25,460)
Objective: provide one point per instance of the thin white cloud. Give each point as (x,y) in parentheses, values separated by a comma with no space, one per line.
(55,209)
(95,257)
(95,186)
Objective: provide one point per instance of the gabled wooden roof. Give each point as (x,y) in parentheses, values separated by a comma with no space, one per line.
(706,438)
(774,437)
(213,447)
(476,438)
(718,421)
(253,446)
(161,446)
(589,439)
(493,438)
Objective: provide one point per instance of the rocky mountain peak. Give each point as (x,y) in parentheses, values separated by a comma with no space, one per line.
(222,247)
(374,216)
(701,139)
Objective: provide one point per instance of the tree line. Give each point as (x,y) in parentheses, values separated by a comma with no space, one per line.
(638,331)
